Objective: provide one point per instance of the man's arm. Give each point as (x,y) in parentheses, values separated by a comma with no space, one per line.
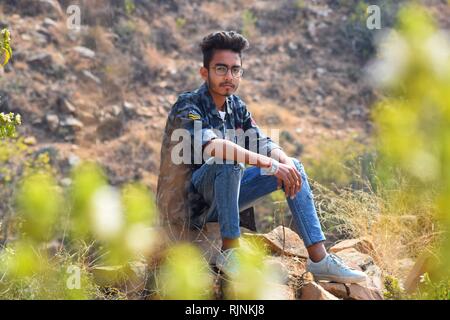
(227,150)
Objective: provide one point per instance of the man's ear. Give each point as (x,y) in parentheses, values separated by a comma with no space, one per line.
(204,73)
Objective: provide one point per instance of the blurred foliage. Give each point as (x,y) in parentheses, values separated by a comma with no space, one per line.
(130,7)
(185,275)
(255,279)
(248,23)
(8,123)
(413,121)
(5,46)
(361,38)
(343,163)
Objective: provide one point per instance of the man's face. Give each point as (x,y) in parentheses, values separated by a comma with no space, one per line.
(224,85)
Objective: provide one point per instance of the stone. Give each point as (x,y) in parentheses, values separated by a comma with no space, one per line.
(40,61)
(73,123)
(91,76)
(424,264)
(279,269)
(337,289)
(287,242)
(84,52)
(110,128)
(355,259)
(52,121)
(362,245)
(66,106)
(359,292)
(313,291)
(30,141)
(278,292)
(49,23)
(73,160)
(128,107)
(52,8)
(375,277)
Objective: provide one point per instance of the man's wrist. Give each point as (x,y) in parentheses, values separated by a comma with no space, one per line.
(273,169)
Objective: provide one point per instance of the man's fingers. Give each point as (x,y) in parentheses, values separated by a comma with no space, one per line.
(279,183)
(298,178)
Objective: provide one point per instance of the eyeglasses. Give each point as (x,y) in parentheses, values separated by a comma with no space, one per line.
(222,70)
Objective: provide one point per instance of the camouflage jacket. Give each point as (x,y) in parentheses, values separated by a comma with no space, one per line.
(196,114)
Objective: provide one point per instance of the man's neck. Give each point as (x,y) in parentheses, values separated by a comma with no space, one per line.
(219,101)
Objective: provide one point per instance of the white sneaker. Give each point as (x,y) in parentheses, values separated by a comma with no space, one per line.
(332,268)
(228,263)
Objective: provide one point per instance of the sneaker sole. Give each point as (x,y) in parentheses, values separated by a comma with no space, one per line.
(319,277)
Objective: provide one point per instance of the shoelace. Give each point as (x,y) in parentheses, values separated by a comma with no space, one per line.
(339,262)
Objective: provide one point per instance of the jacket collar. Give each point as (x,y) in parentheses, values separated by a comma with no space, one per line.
(204,91)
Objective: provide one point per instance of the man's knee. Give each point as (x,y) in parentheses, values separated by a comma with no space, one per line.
(297,164)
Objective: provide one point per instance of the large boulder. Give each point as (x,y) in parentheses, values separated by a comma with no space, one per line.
(313,291)
(284,241)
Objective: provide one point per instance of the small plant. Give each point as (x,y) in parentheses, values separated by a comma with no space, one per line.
(248,23)
(8,123)
(392,289)
(129,6)
(5,47)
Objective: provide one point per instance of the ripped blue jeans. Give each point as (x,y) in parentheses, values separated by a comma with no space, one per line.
(229,189)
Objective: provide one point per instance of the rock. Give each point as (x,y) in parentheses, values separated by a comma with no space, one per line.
(426,263)
(337,289)
(51,7)
(355,258)
(66,107)
(49,23)
(278,268)
(279,292)
(91,76)
(312,291)
(352,291)
(40,61)
(30,141)
(359,292)
(292,46)
(73,160)
(110,128)
(287,242)
(129,107)
(375,277)
(404,267)
(72,123)
(84,52)
(116,110)
(52,121)
(362,245)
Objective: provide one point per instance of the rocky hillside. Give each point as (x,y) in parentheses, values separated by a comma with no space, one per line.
(103,92)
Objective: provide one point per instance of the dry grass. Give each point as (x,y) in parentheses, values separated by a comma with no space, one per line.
(396,229)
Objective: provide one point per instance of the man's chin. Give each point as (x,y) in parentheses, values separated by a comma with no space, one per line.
(228,92)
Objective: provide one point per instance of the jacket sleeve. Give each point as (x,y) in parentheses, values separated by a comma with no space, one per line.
(192,119)
(264,145)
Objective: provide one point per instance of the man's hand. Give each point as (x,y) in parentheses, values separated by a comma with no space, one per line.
(289,176)
(289,188)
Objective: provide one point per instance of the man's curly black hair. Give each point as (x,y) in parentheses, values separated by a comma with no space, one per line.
(222,40)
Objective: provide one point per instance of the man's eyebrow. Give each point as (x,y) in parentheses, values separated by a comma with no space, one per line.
(225,65)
